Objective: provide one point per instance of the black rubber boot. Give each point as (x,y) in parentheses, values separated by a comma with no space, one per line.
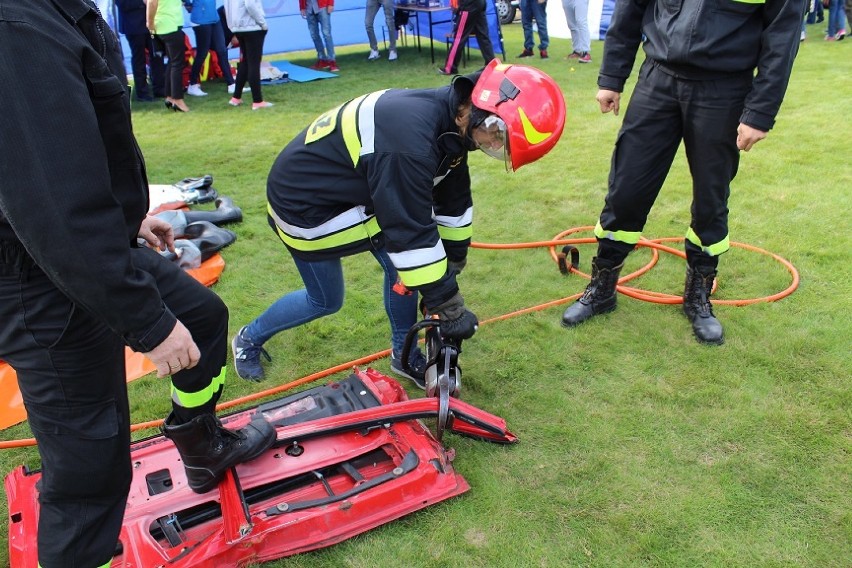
(600,295)
(225,212)
(208,449)
(697,307)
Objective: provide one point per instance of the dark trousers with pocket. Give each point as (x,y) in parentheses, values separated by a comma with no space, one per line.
(663,110)
(71,374)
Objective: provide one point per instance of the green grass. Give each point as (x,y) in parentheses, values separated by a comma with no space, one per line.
(639,447)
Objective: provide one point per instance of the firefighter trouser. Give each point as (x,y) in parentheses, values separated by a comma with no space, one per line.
(662,111)
(71,374)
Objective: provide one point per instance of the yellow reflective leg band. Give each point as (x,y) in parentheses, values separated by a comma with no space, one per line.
(205,395)
(629,237)
(710,250)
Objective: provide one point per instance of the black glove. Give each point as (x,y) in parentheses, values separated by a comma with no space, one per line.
(456,266)
(457,322)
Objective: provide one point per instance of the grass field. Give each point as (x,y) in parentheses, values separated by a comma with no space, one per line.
(639,447)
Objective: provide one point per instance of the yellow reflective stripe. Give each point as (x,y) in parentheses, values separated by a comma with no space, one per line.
(345,237)
(711,250)
(532,135)
(349,128)
(205,395)
(423,274)
(455,233)
(629,237)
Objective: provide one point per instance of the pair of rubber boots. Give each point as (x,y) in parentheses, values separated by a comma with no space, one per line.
(600,297)
(208,449)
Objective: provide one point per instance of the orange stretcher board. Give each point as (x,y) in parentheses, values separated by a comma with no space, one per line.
(137,365)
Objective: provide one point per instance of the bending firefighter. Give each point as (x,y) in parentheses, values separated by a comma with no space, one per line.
(388,173)
(714,76)
(76,288)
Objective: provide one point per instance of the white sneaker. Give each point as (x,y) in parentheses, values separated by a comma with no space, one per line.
(374,54)
(233,87)
(392,55)
(195,91)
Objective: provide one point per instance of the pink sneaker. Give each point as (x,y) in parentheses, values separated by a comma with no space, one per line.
(261,104)
(235,102)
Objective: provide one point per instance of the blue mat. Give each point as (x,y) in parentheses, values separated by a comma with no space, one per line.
(301,74)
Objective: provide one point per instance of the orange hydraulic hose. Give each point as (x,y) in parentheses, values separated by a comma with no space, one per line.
(655,245)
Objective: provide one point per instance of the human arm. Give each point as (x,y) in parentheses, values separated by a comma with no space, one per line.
(782,21)
(623,37)
(453,206)
(58,194)
(151,14)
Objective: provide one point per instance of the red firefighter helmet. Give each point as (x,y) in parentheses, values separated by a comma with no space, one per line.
(530,103)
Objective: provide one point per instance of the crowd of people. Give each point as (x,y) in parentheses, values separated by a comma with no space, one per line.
(349,183)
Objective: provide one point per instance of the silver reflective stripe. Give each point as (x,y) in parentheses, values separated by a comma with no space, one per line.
(463,220)
(367,122)
(347,219)
(418,257)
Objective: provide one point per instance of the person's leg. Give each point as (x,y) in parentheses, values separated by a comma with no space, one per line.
(583,43)
(369,17)
(313,28)
(541,24)
(70,371)
(480,28)
(137,43)
(322,295)
(390,23)
(203,38)
(402,309)
(527,14)
(157,68)
(569,7)
(217,44)
(254,54)
(461,31)
(175,49)
(242,70)
(325,26)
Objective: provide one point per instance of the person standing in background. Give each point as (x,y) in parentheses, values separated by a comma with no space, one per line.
(208,35)
(534,10)
(318,15)
(469,18)
(577,16)
(165,22)
(370,17)
(688,90)
(248,22)
(131,23)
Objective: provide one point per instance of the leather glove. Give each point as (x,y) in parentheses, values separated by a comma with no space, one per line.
(457,322)
(456,266)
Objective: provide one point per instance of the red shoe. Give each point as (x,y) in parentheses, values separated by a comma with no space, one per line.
(585,58)
(526,53)
(332,66)
(573,55)
(320,65)
(543,53)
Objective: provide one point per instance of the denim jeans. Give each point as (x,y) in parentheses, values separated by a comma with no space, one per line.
(321,22)
(836,17)
(370,16)
(533,9)
(323,295)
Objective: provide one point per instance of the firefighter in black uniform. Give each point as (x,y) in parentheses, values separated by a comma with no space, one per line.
(714,76)
(387,172)
(75,287)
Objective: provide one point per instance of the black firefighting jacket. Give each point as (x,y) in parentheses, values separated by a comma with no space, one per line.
(709,39)
(73,188)
(385,169)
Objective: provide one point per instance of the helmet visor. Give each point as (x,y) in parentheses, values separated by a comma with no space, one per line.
(492,137)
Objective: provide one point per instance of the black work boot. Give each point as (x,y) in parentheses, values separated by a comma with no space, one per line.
(600,294)
(697,307)
(225,212)
(208,449)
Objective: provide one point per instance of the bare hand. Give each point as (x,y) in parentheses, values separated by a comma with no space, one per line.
(748,137)
(330,9)
(157,233)
(177,352)
(609,101)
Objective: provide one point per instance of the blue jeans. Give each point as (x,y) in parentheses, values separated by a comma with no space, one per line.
(533,9)
(323,295)
(836,17)
(321,22)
